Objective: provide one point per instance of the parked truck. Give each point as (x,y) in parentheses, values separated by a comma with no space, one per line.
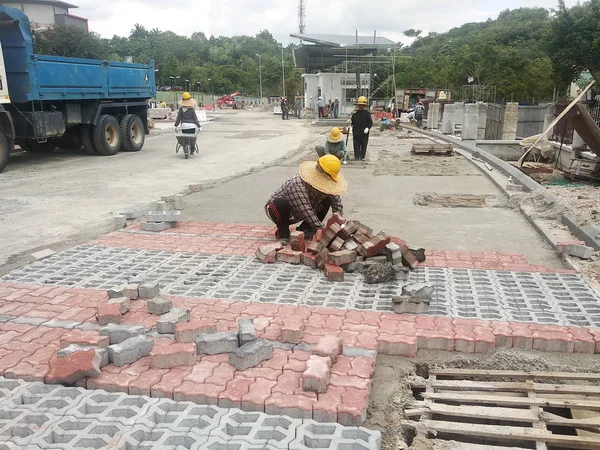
(51,101)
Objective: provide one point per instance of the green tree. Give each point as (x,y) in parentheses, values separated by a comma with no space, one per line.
(573,40)
(71,41)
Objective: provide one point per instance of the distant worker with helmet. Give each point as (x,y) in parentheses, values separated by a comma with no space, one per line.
(419,112)
(307,197)
(334,145)
(361,125)
(186,116)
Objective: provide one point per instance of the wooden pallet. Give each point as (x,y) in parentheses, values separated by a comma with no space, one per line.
(433,149)
(466,405)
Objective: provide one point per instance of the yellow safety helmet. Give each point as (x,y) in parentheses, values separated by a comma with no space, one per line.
(331,165)
(335,135)
(362,100)
(186,96)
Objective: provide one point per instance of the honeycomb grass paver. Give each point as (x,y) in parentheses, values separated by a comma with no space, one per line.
(58,417)
(538,297)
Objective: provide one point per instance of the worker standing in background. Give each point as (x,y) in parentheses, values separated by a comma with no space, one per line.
(320,104)
(361,126)
(299,107)
(336,108)
(307,197)
(283,108)
(334,145)
(419,111)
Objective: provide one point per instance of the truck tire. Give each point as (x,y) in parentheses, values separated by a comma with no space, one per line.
(107,135)
(133,133)
(37,147)
(5,148)
(87,139)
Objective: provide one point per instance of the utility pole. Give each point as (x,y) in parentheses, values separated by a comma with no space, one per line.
(259,78)
(282,72)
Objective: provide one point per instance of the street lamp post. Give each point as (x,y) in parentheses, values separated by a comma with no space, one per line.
(282,72)
(259,78)
(185,84)
(211,94)
(200,90)
(173,87)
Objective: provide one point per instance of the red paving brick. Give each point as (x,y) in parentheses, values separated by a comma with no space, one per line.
(275,385)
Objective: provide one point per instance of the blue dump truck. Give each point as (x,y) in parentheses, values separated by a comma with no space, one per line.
(49,102)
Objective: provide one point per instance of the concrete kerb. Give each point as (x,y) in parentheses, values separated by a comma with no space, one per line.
(529,185)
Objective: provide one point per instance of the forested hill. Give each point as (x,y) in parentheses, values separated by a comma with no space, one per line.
(508,53)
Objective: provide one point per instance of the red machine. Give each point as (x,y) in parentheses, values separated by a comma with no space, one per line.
(227,101)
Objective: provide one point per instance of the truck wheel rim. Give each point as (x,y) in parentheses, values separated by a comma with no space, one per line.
(136,133)
(112,135)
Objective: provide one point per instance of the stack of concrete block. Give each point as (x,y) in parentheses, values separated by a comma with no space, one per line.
(345,247)
(161,218)
(415,299)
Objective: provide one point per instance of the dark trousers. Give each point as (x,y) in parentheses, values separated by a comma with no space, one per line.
(360,145)
(282,114)
(279,212)
(321,113)
(419,119)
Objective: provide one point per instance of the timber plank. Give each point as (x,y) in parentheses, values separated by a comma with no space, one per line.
(518,374)
(494,386)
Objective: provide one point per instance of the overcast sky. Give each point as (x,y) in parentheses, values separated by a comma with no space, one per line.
(280,17)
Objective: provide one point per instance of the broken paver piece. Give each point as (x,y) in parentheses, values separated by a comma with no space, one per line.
(131,291)
(316,376)
(148,290)
(289,256)
(297,241)
(246,332)
(69,349)
(314,247)
(73,367)
(268,253)
(130,350)
(123,302)
(329,346)
(419,254)
(404,304)
(251,354)
(418,290)
(334,273)
(342,257)
(159,305)
(115,293)
(166,323)
(188,332)
(109,313)
(379,273)
(215,343)
(174,355)
(118,333)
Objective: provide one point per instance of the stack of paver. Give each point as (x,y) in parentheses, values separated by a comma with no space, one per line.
(161,217)
(347,246)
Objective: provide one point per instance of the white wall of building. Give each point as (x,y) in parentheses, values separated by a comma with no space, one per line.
(40,14)
(332,85)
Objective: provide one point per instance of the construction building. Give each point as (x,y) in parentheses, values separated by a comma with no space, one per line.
(48,13)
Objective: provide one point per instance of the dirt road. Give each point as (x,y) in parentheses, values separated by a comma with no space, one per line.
(64,198)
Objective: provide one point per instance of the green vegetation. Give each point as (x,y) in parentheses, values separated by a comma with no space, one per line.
(526,53)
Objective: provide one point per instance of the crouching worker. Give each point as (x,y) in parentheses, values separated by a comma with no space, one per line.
(334,145)
(307,197)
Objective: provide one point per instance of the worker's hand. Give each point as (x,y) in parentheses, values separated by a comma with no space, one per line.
(367,130)
(318,235)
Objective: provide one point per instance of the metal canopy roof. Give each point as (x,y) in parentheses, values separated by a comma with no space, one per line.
(58,3)
(338,40)
(324,51)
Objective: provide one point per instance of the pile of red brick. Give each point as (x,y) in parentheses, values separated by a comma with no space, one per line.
(342,246)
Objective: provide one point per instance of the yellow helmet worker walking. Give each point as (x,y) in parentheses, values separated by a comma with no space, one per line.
(361,125)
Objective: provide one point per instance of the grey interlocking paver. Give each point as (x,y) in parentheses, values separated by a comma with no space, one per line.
(548,298)
(35,416)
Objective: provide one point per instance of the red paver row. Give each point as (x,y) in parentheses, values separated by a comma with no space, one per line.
(395,334)
(274,385)
(243,240)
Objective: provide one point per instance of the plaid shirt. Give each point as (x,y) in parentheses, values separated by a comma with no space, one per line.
(304,201)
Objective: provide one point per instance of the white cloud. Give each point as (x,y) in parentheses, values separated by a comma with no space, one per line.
(280,17)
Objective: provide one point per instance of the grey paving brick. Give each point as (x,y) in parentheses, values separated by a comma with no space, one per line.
(130,350)
(251,354)
(155,226)
(148,290)
(159,305)
(166,323)
(215,343)
(246,332)
(118,333)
